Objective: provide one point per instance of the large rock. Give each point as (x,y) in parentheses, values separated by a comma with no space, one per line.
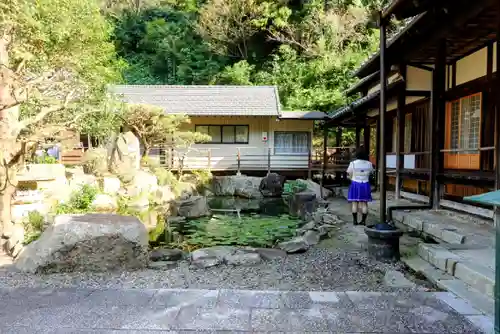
(186,190)
(79,180)
(111,185)
(272,185)
(14,244)
(237,185)
(90,242)
(302,205)
(164,195)
(142,182)
(194,207)
(313,187)
(124,153)
(104,203)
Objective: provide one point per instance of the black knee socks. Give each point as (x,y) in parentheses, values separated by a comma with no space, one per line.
(355,218)
(363,218)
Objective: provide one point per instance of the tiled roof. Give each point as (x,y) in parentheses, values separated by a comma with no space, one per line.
(204,100)
(361,101)
(313,115)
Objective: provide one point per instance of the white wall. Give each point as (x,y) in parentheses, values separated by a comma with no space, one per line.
(254,155)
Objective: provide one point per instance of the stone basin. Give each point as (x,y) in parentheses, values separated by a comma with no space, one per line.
(383,244)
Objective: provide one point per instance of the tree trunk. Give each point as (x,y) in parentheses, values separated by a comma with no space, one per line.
(6,195)
(9,130)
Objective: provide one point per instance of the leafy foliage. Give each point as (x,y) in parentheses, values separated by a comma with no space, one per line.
(252,231)
(80,201)
(34,225)
(308,49)
(45,159)
(153,127)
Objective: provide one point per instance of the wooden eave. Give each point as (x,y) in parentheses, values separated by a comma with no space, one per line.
(465,25)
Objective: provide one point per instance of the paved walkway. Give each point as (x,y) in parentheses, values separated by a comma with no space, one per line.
(230,311)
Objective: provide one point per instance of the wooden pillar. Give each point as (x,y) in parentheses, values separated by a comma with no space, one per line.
(338,144)
(437,123)
(325,151)
(382,112)
(358,134)
(366,138)
(400,121)
(497,178)
(377,155)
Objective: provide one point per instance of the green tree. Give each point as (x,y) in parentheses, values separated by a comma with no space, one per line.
(55,57)
(153,127)
(162,46)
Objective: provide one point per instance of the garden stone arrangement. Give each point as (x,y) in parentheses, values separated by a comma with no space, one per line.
(116,231)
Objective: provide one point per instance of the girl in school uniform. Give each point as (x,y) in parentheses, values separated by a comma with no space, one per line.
(360,193)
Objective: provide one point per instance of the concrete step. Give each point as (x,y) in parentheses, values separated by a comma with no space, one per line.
(481,278)
(454,285)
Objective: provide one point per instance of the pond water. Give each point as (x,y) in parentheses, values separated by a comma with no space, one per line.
(262,206)
(264,217)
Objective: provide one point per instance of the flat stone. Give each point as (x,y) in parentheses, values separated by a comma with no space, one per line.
(397,279)
(485,323)
(162,265)
(458,304)
(243,259)
(361,321)
(119,297)
(324,297)
(211,256)
(302,321)
(308,226)
(311,238)
(425,319)
(165,254)
(250,299)
(294,245)
(218,318)
(270,253)
(296,300)
(177,298)
(477,276)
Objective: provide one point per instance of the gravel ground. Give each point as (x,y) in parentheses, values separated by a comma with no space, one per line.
(318,269)
(337,264)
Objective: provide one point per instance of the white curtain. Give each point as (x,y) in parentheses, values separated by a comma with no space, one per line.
(291,142)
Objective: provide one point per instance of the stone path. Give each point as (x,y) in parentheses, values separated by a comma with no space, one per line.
(230,311)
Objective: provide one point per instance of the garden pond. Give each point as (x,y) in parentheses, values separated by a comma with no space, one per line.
(234,222)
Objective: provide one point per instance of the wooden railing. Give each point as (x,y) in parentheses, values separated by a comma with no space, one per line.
(244,159)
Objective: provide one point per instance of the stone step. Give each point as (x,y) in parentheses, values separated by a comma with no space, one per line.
(449,283)
(479,277)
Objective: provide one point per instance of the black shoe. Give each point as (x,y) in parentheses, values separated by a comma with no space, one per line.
(363,218)
(355,218)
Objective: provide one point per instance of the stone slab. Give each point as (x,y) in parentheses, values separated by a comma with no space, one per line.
(228,311)
(477,276)
(451,284)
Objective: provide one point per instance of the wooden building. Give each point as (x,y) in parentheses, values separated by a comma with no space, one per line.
(441,97)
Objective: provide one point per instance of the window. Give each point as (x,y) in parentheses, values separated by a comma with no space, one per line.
(225,134)
(465,124)
(291,142)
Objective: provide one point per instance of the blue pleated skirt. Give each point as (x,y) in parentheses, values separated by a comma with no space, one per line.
(359,192)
